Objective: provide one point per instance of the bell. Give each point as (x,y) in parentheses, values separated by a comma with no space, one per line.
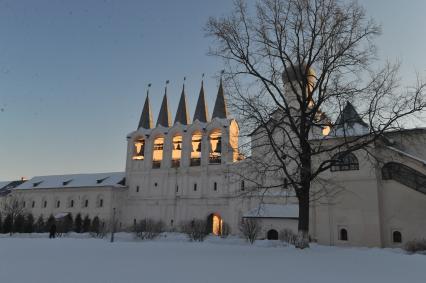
(142,150)
(199,147)
(178,147)
(218,148)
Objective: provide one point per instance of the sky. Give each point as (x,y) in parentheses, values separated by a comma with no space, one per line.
(73,74)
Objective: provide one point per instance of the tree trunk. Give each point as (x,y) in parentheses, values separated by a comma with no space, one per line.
(302,240)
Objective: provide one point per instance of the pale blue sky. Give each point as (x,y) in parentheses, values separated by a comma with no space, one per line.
(73,74)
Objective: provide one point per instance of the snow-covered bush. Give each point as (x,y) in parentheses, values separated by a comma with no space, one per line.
(416,246)
(148,229)
(250,228)
(287,236)
(196,229)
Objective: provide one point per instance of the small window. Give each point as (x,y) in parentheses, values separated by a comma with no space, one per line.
(177,188)
(24,204)
(137,189)
(195,187)
(242,185)
(134,221)
(72,203)
(101,203)
(45,204)
(33,204)
(58,204)
(155,184)
(86,203)
(396,237)
(215,186)
(343,234)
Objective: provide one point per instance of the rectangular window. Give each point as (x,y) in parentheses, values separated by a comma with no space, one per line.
(195,187)
(33,204)
(86,203)
(101,203)
(215,186)
(137,189)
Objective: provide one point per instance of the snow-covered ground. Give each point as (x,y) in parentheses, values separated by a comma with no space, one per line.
(173,259)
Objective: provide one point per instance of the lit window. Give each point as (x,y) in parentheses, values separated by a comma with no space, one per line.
(344,162)
(157,152)
(196,149)
(215,155)
(139,149)
(176,151)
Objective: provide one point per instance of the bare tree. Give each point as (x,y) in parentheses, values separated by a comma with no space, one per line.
(14,207)
(250,228)
(291,67)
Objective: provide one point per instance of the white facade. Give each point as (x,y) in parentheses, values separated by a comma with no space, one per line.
(187,171)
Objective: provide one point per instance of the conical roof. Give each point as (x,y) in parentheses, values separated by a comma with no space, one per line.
(164,115)
(201,108)
(182,112)
(220,110)
(349,116)
(146,116)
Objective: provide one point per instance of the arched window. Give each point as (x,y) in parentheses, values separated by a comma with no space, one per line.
(215,152)
(272,234)
(344,162)
(404,175)
(196,149)
(100,201)
(343,234)
(157,152)
(396,237)
(139,149)
(176,150)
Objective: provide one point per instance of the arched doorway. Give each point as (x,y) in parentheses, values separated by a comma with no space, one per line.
(214,224)
(272,234)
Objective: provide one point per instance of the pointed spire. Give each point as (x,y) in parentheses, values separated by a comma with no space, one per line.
(350,116)
(182,112)
(146,116)
(220,110)
(201,109)
(164,115)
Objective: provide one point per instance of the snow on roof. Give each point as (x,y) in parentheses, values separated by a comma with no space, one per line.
(113,179)
(274,211)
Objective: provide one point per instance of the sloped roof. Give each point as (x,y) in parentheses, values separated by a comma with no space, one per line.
(273,211)
(350,116)
(113,179)
(201,112)
(219,110)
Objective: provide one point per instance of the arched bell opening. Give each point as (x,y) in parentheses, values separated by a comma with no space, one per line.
(196,142)
(214,224)
(176,150)
(272,234)
(157,152)
(139,149)
(215,151)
